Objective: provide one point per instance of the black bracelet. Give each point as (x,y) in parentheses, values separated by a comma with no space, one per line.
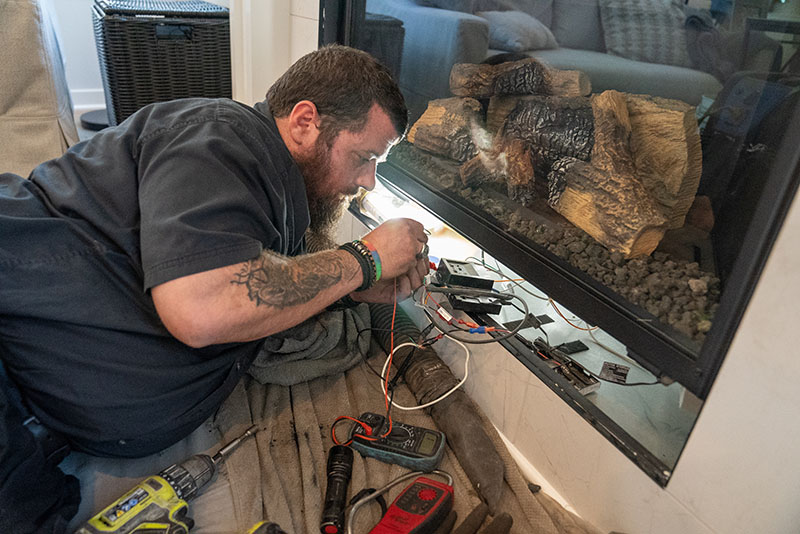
(343,303)
(364,257)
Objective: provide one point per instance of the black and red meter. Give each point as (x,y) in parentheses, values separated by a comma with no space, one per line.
(419,509)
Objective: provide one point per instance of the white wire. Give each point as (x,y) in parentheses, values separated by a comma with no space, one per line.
(431,403)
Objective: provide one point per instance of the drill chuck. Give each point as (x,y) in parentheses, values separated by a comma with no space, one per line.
(159,503)
(190,476)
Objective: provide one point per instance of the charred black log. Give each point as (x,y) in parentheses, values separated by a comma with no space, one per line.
(554,128)
(557,180)
(524,77)
(529,78)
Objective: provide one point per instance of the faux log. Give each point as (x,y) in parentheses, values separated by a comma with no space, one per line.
(523,77)
(667,152)
(482,169)
(449,127)
(605,198)
(520,173)
(510,162)
(554,127)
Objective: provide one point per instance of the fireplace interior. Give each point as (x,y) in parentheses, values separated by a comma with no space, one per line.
(632,161)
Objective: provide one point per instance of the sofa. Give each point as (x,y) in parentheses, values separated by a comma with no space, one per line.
(437,38)
(36,114)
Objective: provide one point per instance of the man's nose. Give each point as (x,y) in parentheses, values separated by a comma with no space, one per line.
(367,178)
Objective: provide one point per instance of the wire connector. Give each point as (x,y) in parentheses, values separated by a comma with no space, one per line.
(445,315)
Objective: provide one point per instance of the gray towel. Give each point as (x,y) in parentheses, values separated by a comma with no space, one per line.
(327,344)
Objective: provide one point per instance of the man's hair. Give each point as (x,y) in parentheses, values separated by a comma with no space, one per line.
(343,83)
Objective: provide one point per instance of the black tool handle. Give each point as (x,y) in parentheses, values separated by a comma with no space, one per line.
(340,467)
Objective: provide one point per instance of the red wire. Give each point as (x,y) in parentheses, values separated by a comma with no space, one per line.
(389,366)
(568,321)
(365,426)
(367,429)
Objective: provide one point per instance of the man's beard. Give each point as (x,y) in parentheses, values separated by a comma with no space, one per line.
(325,209)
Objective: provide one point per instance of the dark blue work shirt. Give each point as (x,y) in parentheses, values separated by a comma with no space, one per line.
(178,188)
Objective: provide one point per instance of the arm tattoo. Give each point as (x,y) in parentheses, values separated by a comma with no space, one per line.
(279,282)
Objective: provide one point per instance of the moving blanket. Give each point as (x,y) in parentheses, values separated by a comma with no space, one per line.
(288,487)
(280,474)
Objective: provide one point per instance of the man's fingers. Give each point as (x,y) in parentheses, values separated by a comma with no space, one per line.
(403,287)
(414,280)
(423,267)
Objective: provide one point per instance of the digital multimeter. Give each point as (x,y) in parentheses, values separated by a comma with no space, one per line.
(419,509)
(413,447)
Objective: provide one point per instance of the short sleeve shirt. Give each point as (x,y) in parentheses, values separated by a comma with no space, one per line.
(178,188)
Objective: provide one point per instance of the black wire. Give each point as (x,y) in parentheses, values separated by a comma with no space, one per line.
(364,356)
(401,369)
(546,337)
(598,377)
(617,383)
(369,491)
(500,272)
(480,292)
(391,401)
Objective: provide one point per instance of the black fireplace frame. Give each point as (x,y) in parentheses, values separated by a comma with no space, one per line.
(669,356)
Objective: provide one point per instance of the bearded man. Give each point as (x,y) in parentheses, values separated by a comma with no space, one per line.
(143,269)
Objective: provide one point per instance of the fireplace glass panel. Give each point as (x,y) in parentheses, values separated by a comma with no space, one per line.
(634,160)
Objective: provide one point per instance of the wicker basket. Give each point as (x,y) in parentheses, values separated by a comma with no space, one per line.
(153,51)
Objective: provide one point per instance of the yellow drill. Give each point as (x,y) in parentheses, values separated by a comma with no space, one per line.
(157,505)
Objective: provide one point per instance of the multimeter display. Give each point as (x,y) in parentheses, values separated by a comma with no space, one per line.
(413,447)
(428,444)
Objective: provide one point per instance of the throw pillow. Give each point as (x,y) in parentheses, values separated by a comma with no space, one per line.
(516,31)
(542,10)
(465,6)
(576,24)
(645,30)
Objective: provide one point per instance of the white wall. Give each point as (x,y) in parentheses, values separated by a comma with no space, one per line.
(73,21)
(266,37)
(262,45)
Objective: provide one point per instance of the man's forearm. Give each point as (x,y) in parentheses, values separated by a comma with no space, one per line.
(254,299)
(279,282)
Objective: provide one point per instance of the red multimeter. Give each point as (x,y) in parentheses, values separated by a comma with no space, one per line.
(419,509)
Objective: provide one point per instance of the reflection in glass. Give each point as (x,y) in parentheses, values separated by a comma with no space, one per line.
(620,137)
(637,153)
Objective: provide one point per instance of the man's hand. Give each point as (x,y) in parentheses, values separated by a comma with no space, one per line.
(398,242)
(384,292)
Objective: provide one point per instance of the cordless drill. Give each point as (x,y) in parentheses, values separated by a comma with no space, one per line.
(157,505)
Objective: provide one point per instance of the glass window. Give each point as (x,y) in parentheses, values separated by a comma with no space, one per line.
(630,160)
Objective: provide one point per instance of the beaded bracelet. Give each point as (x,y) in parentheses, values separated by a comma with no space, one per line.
(364,257)
(365,251)
(375,258)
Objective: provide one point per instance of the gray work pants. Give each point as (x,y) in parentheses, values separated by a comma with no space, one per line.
(104,480)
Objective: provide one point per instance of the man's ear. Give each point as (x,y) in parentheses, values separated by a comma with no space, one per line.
(303,124)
